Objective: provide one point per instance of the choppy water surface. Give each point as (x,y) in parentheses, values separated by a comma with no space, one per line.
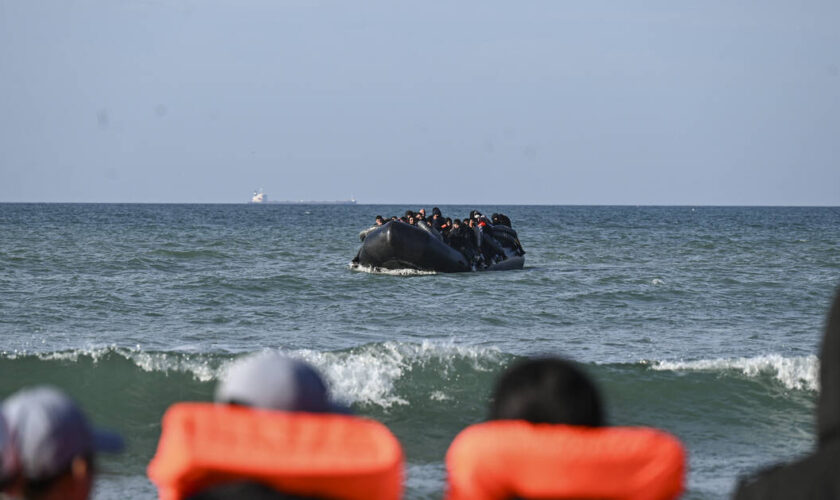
(703,321)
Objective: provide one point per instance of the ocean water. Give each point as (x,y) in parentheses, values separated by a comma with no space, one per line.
(704,321)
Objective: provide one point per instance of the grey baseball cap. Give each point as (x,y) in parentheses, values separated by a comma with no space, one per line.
(48,430)
(274,381)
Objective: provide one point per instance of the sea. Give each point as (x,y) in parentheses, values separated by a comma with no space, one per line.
(703,321)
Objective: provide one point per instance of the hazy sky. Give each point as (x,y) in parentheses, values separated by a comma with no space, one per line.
(492,102)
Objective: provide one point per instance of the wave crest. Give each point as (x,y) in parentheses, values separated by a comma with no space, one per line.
(364,375)
(800,372)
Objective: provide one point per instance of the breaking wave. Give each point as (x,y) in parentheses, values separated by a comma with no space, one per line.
(801,372)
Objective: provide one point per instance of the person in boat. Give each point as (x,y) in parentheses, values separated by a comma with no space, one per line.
(476,241)
(421,214)
(437,220)
(445,228)
(500,219)
(462,238)
(547,437)
(490,247)
(274,433)
(363,234)
(54,446)
(816,475)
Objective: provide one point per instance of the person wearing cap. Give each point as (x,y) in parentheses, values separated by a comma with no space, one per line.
(273,381)
(274,433)
(54,444)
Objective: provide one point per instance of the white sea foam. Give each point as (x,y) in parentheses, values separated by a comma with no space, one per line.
(367,375)
(200,366)
(364,375)
(390,272)
(439,396)
(800,372)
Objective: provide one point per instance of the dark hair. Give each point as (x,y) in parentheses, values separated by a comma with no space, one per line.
(547,390)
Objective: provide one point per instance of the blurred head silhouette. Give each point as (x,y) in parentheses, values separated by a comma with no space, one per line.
(274,381)
(547,390)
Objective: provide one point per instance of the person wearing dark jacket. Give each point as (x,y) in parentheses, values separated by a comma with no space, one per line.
(816,476)
(462,238)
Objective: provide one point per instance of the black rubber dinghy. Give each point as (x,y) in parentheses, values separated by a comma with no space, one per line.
(397,245)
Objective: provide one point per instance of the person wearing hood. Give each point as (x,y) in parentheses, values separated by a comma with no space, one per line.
(818,474)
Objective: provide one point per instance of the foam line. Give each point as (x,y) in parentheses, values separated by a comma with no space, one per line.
(800,372)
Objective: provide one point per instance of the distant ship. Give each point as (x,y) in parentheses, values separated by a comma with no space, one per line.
(260,197)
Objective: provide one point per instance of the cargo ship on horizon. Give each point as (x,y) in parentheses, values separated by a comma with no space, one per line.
(259,197)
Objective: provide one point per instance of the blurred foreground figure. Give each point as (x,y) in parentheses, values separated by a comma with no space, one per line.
(818,475)
(8,462)
(273,433)
(547,440)
(54,445)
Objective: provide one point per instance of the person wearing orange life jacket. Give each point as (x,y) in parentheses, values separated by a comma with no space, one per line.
(274,433)
(547,438)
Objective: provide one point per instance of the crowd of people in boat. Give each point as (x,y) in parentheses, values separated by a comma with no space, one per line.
(480,239)
(273,432)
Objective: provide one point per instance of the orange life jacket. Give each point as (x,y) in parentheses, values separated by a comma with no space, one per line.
(506,459)
(306,454)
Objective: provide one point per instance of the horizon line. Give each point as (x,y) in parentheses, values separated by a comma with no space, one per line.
(357,203)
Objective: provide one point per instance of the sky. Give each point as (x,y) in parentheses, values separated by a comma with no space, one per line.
(488,102)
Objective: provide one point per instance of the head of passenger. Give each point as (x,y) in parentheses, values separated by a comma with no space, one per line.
(54,443)
(436,211)
(409,213)
(379,220)
(412,221)
(471,222)
(547,390)
(421,213)
(273,381)
(456,223)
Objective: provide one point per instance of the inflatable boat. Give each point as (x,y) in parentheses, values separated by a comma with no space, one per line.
(398,245)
